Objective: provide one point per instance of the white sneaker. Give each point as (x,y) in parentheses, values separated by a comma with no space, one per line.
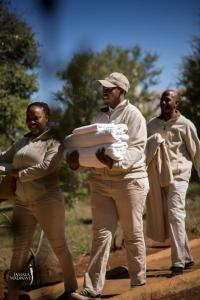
(87,295)
(71,296)
(76,296)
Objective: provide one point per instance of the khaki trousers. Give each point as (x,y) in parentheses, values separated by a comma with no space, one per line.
(111,201)
(49,212)
(180,251)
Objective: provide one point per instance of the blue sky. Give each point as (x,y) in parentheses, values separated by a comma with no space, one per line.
(162,27)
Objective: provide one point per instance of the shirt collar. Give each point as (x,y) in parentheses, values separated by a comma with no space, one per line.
(172,119)
(43,136)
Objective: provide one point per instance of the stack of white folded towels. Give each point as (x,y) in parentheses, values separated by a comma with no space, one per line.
(88,139)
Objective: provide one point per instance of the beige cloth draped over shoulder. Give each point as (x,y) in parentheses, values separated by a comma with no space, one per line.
(160,176)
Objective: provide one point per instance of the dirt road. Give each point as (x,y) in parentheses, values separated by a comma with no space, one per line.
(159,286)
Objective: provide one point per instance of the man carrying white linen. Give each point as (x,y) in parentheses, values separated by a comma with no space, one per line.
(88,139)
(118,191)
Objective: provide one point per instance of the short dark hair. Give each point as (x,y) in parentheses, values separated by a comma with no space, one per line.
(43,105)
(166,92)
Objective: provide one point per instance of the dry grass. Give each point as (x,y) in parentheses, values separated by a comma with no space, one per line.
(79,228)
(193,210)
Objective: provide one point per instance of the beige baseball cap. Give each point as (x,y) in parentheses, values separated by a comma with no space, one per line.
(115,80)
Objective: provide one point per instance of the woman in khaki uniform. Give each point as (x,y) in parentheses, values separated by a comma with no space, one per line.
(36,159)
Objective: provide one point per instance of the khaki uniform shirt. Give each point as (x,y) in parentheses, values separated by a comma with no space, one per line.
(133,165)
(38,162)
(182,144)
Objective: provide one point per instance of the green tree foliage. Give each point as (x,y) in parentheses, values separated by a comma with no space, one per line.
(190,83)
(18,57)
(81,97)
